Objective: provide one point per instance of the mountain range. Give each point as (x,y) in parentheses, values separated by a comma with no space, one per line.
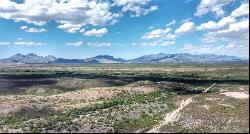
(152,58)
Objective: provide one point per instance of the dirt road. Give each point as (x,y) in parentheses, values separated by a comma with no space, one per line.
(173,116)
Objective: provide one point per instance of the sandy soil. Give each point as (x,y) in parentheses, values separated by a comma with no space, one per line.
(238,95)
(15,107)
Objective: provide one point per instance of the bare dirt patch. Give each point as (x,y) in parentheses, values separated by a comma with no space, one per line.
(206,107)
(93,94)
(237,95)
(15,107)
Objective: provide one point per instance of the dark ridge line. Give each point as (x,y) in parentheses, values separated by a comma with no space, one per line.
(124,78)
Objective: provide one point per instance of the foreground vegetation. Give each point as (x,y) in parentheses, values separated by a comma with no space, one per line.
(120,97)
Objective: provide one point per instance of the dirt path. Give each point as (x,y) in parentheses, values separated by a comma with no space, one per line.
(172,116)
(209,88)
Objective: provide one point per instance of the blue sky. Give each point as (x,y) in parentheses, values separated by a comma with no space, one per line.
(123,28)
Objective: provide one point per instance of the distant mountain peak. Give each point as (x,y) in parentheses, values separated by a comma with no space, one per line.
(184,58)
(28,59)
(104,59)
(152,58)
(31,54)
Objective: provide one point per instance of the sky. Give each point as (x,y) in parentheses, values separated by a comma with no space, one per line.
(123,28)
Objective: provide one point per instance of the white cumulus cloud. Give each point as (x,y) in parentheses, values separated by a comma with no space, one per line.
(70,15)
(211,25)
(76,44)
(213,6)
(104,44)
(231,31)
(136,7)
(159,34)
(238,31)
(171,23)
(97,33)
(73,15)
(33,30)
(158,43)
(185,28)
(243,10)
(232,49)
(21,42)
(29,43)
